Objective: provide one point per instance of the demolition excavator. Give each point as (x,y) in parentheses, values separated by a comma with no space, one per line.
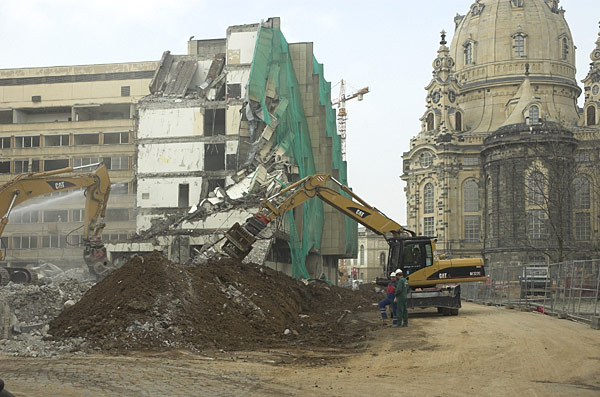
(29,185)
(434,281)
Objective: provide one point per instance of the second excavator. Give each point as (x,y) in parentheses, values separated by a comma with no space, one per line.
(433,280)
(29,185)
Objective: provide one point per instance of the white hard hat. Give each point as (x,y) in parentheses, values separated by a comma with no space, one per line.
(393,274)
(398,271)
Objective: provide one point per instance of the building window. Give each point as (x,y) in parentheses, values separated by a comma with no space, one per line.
(429,122)
(471,161)
(428,198)
(184,195)
(582,226)
(489,207)
(214,122)
(517,3)
(565,48)
(214,156)
(53,241)
(426,159)
(534,115)
(472,227)
(5,143)
(86,139)
(429,226)
(117,214)
(24,242)
(27,141)
(51,165)
(125,90)
(468,53)
(83,162)
(116,163)
(581,186)
(591,115)
(4,167)
(115,138)
(582,157)
(78,215)
(56,215)
(56,140)
(119,188)
(362,255)
(536,187)
(382,258)
(471,196)
(458,121)
(536,228)
(519,45)
(19,217)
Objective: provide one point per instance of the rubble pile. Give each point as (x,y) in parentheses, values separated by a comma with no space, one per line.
(151,303)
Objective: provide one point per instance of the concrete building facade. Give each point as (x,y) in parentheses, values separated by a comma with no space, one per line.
(372,257)
(505,165)
(55,117)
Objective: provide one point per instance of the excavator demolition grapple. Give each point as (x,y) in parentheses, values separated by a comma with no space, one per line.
(434,281)
(29,185)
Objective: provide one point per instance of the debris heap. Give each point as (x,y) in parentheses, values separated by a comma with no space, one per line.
(151,303)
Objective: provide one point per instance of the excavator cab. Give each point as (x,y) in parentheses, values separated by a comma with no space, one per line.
(410,254)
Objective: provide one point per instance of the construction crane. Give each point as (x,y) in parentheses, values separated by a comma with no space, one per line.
(342,116)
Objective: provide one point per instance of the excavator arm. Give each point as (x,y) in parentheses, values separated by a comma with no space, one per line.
(240,238)
(97,184)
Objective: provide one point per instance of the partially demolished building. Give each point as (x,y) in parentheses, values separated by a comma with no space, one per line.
(226,126)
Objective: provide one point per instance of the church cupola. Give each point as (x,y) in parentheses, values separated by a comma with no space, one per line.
(591,106)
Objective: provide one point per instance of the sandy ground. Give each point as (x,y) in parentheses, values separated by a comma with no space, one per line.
(483,351)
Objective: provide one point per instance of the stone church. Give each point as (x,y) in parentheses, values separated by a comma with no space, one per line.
(506,165)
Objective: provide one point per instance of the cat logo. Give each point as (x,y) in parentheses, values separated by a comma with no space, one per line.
(58,185)
(360,212)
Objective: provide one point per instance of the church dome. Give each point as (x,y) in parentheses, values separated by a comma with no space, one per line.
(491,47)
(497,37)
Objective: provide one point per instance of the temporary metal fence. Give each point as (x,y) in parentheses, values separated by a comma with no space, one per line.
(567,289)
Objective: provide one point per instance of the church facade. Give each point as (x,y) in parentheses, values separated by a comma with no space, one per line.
(506,163)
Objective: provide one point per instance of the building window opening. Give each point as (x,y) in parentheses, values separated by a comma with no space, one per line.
(115,138)
(472,228)
(56,140)
(534,115)
(426,159)
(519,45)
(5,143)
(536,228)
(214,157)
(214,122)
(125,90)
(362,255)
(428,198)
(458,121)
(86,139)
(27,141)
(468,53)
(4,167)
(471,196)
(591,115)
(22,166)
(429,121)
(582,226)
(536,187)
(215,183)
(50,165)
(517,3)
(184,195)
(429,226)
(565,48)
(382,258)
(581,186)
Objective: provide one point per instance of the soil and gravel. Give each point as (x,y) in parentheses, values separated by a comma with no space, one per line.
(153,304)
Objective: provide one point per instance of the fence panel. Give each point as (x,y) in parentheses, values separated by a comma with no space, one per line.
(567,289)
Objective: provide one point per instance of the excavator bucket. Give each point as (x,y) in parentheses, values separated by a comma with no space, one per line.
(239,242)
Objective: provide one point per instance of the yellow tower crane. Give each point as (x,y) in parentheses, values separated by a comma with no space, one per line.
(342,115)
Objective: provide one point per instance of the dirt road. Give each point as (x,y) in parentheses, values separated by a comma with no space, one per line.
(483,351)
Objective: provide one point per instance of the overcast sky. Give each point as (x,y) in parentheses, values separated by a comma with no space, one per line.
(386,45)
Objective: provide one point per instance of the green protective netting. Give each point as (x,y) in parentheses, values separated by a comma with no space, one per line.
(272,77)
(338,163)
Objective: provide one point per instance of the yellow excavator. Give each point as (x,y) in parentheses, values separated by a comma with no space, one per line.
(29,185)
(433,280)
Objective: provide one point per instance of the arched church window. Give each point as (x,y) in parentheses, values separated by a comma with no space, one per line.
(536,187)
(468,53)
(429,122)
(382,258)
(489,207)
(565,48)
(581,185)
(471,196)
(519,45)
(534,114)
(458,121)
(591,115)
(428,199)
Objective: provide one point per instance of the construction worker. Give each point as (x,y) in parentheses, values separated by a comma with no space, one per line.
(4,393)
(401,298)
(389,299)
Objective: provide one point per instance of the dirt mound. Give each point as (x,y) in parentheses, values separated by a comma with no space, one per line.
(153,304)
